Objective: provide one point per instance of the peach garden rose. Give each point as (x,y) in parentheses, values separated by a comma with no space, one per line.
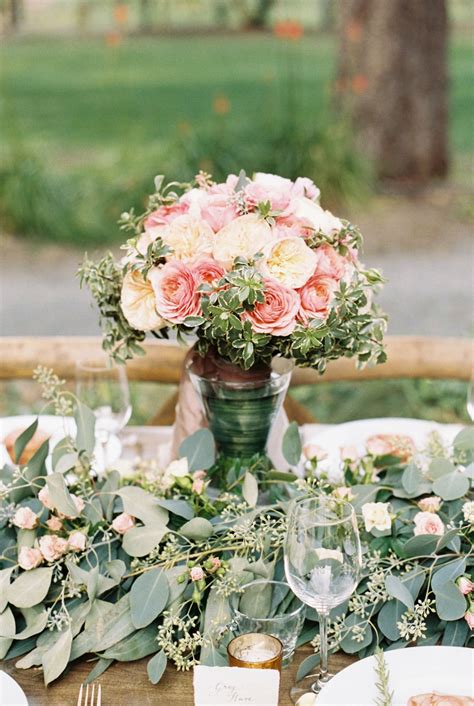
(123,522)
(176,291)
(428,523)
(52,547)
(277,313)
(316,297)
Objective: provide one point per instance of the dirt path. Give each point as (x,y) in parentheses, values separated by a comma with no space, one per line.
(423,249)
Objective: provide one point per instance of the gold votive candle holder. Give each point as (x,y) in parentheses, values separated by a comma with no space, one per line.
(255,650)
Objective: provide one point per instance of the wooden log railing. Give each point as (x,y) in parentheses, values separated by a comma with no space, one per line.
(408,357)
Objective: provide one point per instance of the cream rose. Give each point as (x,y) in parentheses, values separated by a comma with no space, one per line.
(178,468)
(188,237)
(315,216)
(428,523)
(335,554)
(430,504)
(468,511)
(376,515)
(25,518)
(138,303)
(29,558)
(290,261)
(311,451)
(77,541)
(244,236)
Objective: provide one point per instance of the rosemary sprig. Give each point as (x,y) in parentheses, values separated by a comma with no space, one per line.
(385,697)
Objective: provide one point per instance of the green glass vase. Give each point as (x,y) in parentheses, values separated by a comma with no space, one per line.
(240,412)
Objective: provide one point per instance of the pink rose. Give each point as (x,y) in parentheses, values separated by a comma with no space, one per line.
(45,498)
(311,451)
(52,547)
(216,205)
(469,618)
(196,573)
(207,270)
(431,504)
(199,475)
(391,445)
(77,541)
(54,524)
(331,263)
(277,314)
(428,523)
(316,297)
(123,523)
(29,558)
(305,187)
(164,215)
(198,486)
(465,585)
(349,453)
(269,187)
(25,518)
(175,286)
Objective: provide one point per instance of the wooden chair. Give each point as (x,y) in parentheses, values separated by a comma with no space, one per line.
(408,357)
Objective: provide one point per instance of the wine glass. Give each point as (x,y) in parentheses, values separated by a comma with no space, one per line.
(322,564)
(104,389)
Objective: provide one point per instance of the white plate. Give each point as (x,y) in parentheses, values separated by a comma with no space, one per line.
(333,438)
(11,694)
(413,671)
(56,427)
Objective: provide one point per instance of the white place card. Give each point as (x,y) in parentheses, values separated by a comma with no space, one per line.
(227,686)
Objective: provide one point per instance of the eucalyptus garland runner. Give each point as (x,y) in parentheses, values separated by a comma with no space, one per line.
(144,564)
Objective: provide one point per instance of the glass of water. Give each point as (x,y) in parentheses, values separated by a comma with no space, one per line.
(322,563)
(104,389)
(269,607)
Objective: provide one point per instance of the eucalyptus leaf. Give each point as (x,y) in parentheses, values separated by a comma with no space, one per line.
(55,660)
(107,493)
(389,616)
(60,496)
(5,645)
(100,667)
(20,647)
(4,584)
(148,597)
(66,462)
(307,666)
(36,618)
(250,489)
(291,444)
(440,467)
(141,644)
(217,615)
(156,667)
(7,624)
(142,504)
(256,601)
(451,486)
(108,628)
(448,572)
(455,633)
(140,541)
(420,545)
(464,441)
(348,643)
(30,588)
(450,602)
(412,478)
(397,589)
(23,439)
(198,529)
(447,538)
(116,569)
(363,494)
(181,508)
(199,449)
(85,422)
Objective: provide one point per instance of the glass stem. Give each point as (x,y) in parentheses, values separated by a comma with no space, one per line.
(323,634)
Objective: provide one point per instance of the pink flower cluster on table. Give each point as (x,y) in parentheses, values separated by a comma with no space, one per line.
(212,224)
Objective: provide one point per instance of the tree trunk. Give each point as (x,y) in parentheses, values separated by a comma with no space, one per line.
(392,79)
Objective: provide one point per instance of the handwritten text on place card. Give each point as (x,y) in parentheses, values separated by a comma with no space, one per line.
(228,686)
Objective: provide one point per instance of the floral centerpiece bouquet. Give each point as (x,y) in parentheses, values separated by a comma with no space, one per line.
(146,563)
(255,271)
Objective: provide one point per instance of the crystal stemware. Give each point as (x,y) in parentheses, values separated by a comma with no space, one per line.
(322,564)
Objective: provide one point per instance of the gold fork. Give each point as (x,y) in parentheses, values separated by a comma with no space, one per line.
(95,699)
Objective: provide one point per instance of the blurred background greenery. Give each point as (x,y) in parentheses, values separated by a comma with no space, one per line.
(97,96)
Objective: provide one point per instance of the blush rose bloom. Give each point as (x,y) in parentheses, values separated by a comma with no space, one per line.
(45,498)
(331,263)
(175,286)
(123,522)
(52,547)
(196,573)
(138,303)
(54,524)
(376,515)
(465,585)
(316,298)
(391,445)
(207,270)
(277,314)
(311,451)
(315,216)
(342,492)
(269,187)
(198,486)
(77,541)
(213,204)
(469,618)
(244,236)
(25,518)
(428,523)
(430,504)
(290,261)
(29,558)
(188,237)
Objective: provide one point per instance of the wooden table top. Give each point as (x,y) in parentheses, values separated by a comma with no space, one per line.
(127,684)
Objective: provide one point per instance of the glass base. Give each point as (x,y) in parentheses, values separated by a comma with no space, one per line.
(307,689)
